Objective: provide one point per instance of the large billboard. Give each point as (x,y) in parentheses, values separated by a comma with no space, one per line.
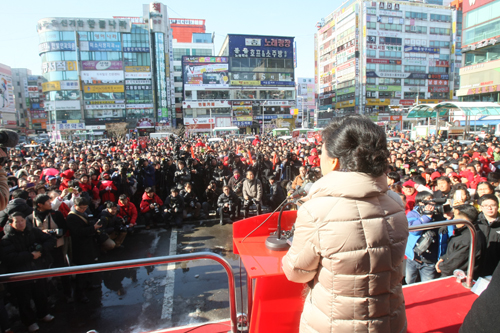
(6,90)
(249,46)
(210,72)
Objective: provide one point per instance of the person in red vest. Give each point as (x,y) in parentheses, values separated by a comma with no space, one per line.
(66,176)
(127,211)
(107,190)
(200,144)
(313,159)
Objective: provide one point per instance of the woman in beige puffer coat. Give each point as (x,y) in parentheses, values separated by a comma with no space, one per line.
(350,237)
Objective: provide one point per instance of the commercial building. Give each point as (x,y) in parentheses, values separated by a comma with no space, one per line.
(376,57)
(7,101)
(190,40)
(29,99)
(107,70)
(306,101)
(480,76)
(251,83)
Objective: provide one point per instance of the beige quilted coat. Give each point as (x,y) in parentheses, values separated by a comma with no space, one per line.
(350,240)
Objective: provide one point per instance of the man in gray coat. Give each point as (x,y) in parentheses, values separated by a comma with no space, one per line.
(252,193)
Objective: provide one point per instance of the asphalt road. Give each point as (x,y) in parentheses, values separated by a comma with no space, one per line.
(152,298)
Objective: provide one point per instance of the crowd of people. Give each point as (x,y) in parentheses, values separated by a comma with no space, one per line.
(70,204)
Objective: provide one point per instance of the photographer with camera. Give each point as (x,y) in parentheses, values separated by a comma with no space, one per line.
(25,248)
(182,175)
(210,197)
(127,212)
(53,223)
(221,174)
(145,173)
(151,207)
(174,208)
(424,248)
(228,202)
(252,193)
(124,181)
(191,202)
(114,230)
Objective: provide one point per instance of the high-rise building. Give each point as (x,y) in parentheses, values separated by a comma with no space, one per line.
(106,70)
(7,100)
(480,74)
(374,57)
(260,85)
(190,40)
(306,101)
(32,118)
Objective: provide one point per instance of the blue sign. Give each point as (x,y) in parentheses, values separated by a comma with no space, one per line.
(105,46)
(35,106)
(422,49)
(56,46)
(249,46)
(277,83)
(135,49)
(266,117)
(242,123)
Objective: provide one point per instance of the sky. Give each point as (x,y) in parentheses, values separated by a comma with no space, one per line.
(19,39)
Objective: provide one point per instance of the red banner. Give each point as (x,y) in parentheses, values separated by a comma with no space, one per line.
(407,102)
(438,89)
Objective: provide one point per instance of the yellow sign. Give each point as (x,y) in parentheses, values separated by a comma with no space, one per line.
(376,101)
(295,111)
(244,83)
(245,118)
(51,86)
(137,69)
(100,102)
(451,95)
(345,104)
(428,101)
(103,89)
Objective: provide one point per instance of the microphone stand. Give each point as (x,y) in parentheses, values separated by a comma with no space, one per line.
(276,242)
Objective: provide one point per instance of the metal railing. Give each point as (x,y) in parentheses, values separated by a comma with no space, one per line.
(110,266)
(468,224)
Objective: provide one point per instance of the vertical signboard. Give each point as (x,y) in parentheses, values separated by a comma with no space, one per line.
(161,83)
(6,90)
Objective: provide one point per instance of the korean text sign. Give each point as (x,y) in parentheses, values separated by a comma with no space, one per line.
(246,46)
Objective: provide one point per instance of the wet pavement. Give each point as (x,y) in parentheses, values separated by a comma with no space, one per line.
(151,298)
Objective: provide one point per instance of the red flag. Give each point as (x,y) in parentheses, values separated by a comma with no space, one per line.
(192,152)
(275,160)
(250,157)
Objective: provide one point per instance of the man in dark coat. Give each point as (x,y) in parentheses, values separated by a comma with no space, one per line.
(482,317)
(489,223)
(17,204)
(25,248)
(83,237)
(276,193)
(457,252)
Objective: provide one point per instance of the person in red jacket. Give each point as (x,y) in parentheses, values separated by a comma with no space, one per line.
(66,176)
(314,158)
(200,144)
(107,190)
(151,207)
(127,211)
(256,141)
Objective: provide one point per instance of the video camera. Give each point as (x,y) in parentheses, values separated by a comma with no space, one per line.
(440,206)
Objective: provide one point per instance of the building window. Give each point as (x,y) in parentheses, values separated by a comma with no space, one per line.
(439,43)
(371,53)
(371,25)
(393,27)
(440,18)
(389,68)
(178,53)
(415,69)
(438,69)
(201,52)
(414,82)
(439,31)
(417,16)
(18,83)
(417,29)
(19,95)
(390,54)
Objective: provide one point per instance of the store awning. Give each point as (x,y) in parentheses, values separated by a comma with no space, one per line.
(468,108)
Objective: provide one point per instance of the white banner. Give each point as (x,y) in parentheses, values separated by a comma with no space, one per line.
(138,75)
(62,105)
(199,121)
(204,105)
(104,106)
(69,85)
(102,75)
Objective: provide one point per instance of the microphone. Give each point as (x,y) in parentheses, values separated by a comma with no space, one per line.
(8,138)
(301,192)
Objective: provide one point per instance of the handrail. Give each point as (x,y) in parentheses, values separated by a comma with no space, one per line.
(109,266)
(470,225)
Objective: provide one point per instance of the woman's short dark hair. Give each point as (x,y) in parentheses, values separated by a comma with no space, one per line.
(394,176)
(358,143)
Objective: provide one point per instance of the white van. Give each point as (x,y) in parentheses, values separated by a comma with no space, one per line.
(161,135)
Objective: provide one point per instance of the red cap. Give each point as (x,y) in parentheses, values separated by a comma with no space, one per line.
(435,175)
(409,183)
(453,175)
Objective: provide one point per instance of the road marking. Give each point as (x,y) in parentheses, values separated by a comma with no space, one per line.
(168,296)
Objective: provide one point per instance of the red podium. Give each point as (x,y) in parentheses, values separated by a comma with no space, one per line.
(276,303)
